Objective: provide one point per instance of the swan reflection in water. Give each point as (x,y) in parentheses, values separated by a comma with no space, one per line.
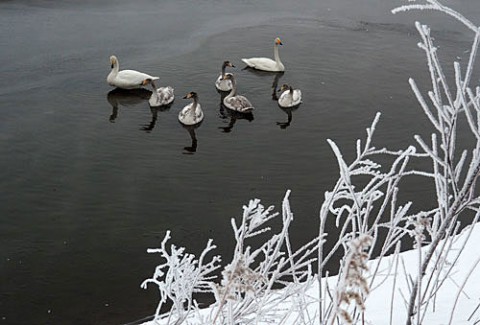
(288,111)
(275,90)
(276,78)
(190,150)
(121,97)
(231,116)
(154,110)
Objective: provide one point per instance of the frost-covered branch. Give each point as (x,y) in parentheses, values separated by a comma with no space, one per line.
(180,277)
(248,280)
(245,292)
(454,194)
(436,5)
(360,207)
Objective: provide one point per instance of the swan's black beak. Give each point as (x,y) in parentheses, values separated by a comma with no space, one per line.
(111,65)
(185,97)
(280,43)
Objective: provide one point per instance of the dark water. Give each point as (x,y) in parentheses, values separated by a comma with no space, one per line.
(92,178)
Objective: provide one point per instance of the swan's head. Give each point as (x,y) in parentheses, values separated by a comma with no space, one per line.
(228,64)
(113,61)
(284,87)
(278,41)
(191,94)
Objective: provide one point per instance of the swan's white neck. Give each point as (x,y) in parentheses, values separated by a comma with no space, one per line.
(276,55)
(113,74)
(116,67)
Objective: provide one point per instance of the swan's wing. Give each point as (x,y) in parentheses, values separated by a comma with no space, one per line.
(186,117)
(249,62)
(184,112)
(240,103)
(265,64)
(198,113)
(285,99)
(161,97)
(166,95)
(258,62)
(133,77)
(223,85)
(297,96)
(289,100)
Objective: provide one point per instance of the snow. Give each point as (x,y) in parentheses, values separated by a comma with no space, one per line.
(378,303)
(463,283)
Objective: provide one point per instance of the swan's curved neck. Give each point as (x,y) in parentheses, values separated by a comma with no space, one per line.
(193,108)
(154,93)
(276,55)
(233,92)
(223,69)
(115,68)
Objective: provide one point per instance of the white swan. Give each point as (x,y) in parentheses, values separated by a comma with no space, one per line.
(192,113)
(290,97)
(127,79)
(221,83)
(161,96)
(267,64)
(236,102)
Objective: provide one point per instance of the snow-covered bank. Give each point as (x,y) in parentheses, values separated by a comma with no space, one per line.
(456,302)
(459,295)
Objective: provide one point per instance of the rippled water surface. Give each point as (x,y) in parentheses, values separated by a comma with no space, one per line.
(90,178)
